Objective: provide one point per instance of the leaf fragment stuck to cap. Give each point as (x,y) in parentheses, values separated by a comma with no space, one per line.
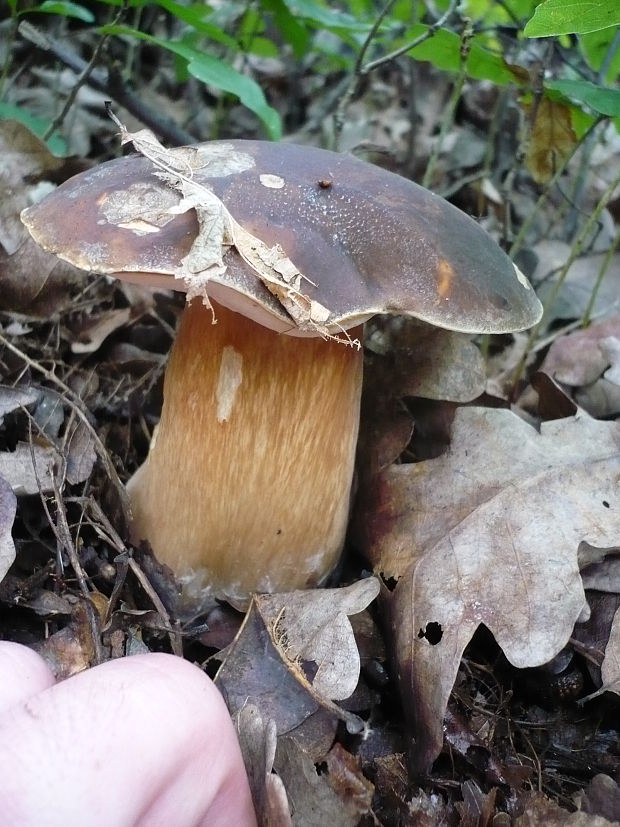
(218,231)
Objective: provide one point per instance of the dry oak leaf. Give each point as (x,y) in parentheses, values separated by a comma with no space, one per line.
(295,653)
(489,533)
(610,668)
(8,509)
(427,361)
(536,810)
(258,740)
(339,796)
(583,356)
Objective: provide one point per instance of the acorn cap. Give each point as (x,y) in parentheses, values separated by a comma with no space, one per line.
(366,241)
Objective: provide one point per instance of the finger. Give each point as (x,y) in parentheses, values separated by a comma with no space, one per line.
(143,741)
(23,673)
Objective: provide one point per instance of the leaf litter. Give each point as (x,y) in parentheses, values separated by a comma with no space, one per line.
(493,539)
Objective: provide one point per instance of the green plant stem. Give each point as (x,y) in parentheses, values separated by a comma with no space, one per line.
(417,41)
(360,69)
(587,316)
(520,237)
(448,116)
(588,147)
(574,253)
(357,73)
(112,85)
(83,78)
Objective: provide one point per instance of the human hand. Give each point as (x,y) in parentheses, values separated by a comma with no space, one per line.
(142,741)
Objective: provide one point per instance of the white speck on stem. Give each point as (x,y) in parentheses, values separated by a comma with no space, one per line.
(228,381)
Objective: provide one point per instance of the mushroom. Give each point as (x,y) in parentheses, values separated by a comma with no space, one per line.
(247,484)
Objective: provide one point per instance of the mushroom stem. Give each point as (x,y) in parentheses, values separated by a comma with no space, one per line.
(247,484)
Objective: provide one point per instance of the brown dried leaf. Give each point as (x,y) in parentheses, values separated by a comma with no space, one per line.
(312,627)
(8,509)
(35,282)
(29,469)
(96,330)
(80,453)
(426,361)
(12,399)
(551,140)
(582,357)
(489,533)
(610,348)
(610,669)
(601,399)
(339,797)
(601,797)
(25,269)
(257,738)
(23,157)
(536,810)
(18,470)
(68,651)
(294,653)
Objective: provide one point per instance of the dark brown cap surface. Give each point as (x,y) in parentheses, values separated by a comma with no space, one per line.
(370,241)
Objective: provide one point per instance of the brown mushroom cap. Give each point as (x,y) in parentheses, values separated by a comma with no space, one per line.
(370,241)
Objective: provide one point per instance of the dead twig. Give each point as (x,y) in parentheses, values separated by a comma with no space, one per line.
(74,401)
(574,253)
(448,116)
(112,85)
(83,77)
(174,634)
(360,69)
(62,532)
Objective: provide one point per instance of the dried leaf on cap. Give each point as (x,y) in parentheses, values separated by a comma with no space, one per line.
(218,230)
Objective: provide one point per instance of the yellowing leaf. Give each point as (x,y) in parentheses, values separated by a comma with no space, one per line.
(551,141)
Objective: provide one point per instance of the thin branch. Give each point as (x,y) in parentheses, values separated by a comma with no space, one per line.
(357,72)
(175,636)
(448,115)
(111,84)
(83,78)
(82,413)
(417,41)
(574,253)
(360,69)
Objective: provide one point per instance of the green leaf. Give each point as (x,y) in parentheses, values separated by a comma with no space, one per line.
(324,17)
(555,17)
(217,73)
(195,16)
(292,31)
(57,145)
(65,9)
(601,100)
(443,50)
(595,47)
(214,72)
(492,12)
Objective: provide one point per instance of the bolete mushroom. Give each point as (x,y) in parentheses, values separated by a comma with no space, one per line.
(248,480)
